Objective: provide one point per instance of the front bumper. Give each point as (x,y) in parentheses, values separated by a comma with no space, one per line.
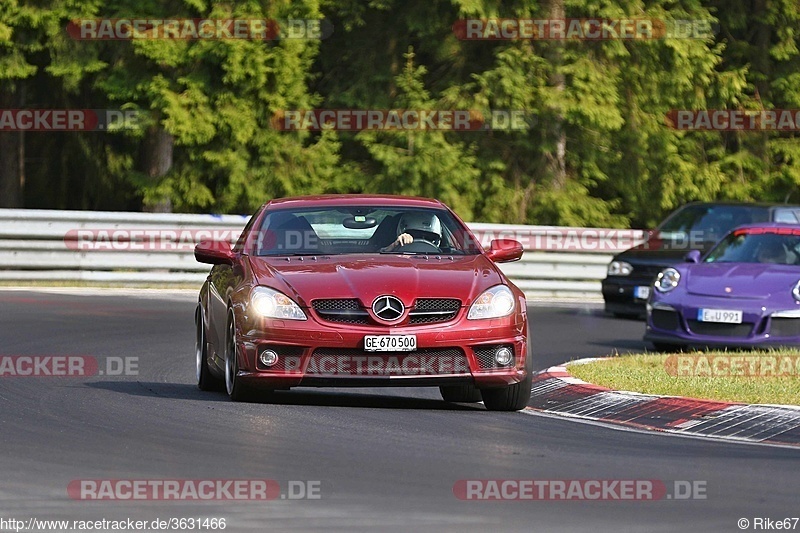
(676,323)
(314,353)
(619,294)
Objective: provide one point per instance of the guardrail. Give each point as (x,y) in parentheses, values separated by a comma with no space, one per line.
(157,249)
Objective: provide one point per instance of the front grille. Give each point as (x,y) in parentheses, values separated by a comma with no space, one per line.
(785,327)
(650,271)
(350,311)
(485,356)
(355,362)
(292,352)
(337,304)
(720,330)
(432,310)
(664,319)
(342,310)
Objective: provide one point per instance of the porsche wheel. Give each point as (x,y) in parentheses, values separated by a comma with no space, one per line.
(460,394)
(514,397)
(205,380)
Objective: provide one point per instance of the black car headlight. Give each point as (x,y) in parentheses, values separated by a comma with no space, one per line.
(619,268)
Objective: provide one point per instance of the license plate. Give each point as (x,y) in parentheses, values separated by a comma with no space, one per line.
(642,293)
(390,343)
(725,316)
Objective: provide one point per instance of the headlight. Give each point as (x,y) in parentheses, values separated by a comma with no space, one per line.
(273,304)
(667,280)
(796,291)
(493,303)
(619,268)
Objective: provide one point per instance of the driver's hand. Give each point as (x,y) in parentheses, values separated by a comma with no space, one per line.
(402,240)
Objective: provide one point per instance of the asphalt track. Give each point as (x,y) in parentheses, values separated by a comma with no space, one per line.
(386,459)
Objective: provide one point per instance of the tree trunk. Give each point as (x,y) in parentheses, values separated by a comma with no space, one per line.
(156,160)
(12,153)
(762,65)
(557,160)
(394,66)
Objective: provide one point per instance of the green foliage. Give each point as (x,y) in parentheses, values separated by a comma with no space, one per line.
(598,149)
(421,163)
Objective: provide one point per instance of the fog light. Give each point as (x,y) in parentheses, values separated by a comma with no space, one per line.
(268,357)
(503,356)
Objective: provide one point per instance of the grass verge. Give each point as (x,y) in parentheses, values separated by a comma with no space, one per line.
(749,377)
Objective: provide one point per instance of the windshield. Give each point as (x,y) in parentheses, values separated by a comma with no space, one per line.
(708,223)
(762,247)
(359,230)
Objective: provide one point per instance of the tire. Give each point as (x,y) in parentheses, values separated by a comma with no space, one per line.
(206,381)
(460,394)
(514,397)
(237,391)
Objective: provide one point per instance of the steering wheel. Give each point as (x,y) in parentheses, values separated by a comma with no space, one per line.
(419,246)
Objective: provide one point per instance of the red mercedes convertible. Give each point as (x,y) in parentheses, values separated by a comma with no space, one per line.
(357,290)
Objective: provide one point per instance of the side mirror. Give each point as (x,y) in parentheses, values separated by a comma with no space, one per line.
(505,251)
(693,256)
(214,252)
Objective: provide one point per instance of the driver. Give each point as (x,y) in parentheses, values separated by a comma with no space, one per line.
(772,252)
(417,227)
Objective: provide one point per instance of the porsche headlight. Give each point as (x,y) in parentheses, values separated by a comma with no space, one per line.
(273,304)
(493,303)
(796,291)
(667,280)
(619,268)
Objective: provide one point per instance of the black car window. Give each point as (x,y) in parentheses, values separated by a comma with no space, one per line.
(710,222)
(786,216)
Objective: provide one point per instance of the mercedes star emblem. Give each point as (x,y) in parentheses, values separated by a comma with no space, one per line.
(388,308)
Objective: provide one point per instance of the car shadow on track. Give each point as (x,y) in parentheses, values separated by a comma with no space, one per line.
(299,397)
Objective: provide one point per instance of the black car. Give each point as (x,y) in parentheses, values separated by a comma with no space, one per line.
(695,226)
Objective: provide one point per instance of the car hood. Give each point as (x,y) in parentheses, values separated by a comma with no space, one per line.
(743,280)
(368,276)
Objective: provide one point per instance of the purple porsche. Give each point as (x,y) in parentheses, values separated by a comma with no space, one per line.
(745,292)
